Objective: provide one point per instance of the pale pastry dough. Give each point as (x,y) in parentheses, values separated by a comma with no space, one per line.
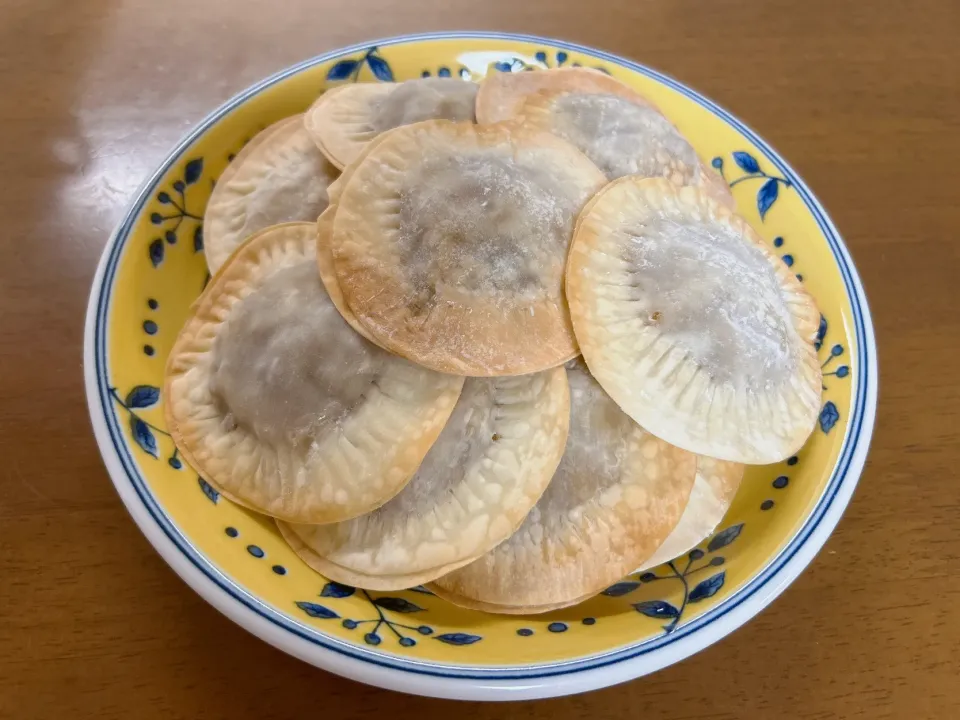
(687,319)
(279,176)
(617,494)
(623,134)
(449,244)
(342,121)
(277,403)
(482,476)
(501,94)
(715,487)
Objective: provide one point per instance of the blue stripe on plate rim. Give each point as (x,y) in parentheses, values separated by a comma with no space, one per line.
(771,579)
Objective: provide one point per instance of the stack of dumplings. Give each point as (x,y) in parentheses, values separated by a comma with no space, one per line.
(509,340)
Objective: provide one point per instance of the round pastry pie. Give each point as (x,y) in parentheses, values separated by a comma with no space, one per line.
(450,240)
(623,134)
(616,496)
(343,120)
(281,406)
(691,324)
(279,176)
(489,466)
(502,94)
(713,491)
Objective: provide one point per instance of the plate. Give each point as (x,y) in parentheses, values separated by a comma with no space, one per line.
(152,270)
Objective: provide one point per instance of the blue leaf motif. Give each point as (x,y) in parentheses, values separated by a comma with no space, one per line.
(317,611)
(766,196)
(192,171)
(208,490)
(142,435)
(458,638)
(828,417)
(142,396)
(421,589)
(724,537)
(198,239)
(342,70)
(746,162)
(397,604)
(380,68)
(708,588)
(620,589)
(821,332)
(656,609)
(156,252)
(503,66)
(336,590)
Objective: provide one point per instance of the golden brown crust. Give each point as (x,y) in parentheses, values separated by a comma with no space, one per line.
(328,274)
(325,262)
(456,332)
(715,487)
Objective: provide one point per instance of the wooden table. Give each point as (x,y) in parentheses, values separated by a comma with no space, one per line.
(864,101)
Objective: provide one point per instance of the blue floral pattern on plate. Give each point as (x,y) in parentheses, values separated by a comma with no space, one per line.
(176,199)
(384,609)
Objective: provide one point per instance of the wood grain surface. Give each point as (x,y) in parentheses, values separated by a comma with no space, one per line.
(863,100)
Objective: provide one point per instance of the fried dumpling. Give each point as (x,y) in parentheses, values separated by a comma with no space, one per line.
(328,274)
(623,134)
(617,494)
(489,466)
(325,263)
(342,121)
(281,406)
(691,324)
(279,176)
(449,243)
(713,491)
(502,94)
